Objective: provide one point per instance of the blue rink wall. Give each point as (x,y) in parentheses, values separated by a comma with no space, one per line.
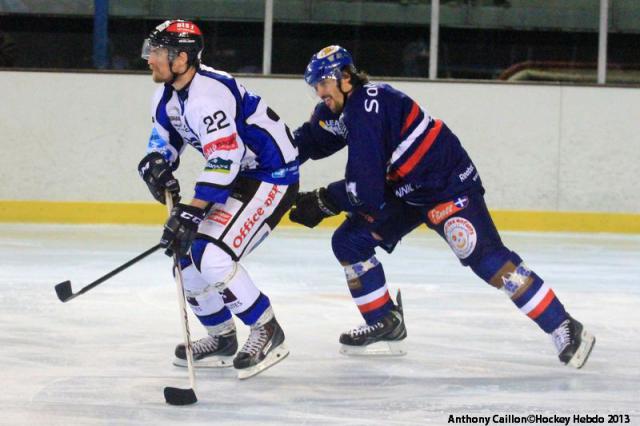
(552,157)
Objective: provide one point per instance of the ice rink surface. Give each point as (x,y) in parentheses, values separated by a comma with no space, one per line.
(104,357)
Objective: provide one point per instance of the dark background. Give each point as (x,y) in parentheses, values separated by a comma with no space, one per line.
(30,41)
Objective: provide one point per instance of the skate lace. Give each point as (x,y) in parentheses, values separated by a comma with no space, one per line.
(206,344)
(561,336)
(365,329)
(256,341)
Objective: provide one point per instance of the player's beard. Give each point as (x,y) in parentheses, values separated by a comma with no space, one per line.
(335,105)
(157,77)
(339,105)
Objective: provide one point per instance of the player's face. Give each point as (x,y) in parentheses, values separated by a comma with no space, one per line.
(328,91)
(159,65)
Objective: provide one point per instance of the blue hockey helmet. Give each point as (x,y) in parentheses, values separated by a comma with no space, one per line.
(327,63)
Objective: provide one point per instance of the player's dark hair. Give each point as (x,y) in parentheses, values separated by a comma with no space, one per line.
(358,78)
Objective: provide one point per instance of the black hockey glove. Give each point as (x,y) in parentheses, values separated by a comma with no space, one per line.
(156,173)
(311,207)
(181,229)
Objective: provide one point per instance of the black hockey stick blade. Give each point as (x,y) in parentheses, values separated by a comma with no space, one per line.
(177,396)
(64,292)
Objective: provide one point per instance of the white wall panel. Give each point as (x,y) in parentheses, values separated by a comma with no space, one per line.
(79,137)
(600,150)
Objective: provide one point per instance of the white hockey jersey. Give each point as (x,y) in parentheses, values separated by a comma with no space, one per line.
(236,132)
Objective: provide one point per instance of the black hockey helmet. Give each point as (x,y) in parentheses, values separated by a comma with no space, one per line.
(176,36)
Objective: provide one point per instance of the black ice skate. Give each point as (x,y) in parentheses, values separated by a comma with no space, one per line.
(209,352)
(263,348)
(573,342)
(385,337)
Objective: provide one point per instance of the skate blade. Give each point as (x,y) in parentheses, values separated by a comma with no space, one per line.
(275,356)
(382,348)
(209,362)
(583,352)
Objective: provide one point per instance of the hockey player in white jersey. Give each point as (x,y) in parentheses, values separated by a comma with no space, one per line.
(248,181)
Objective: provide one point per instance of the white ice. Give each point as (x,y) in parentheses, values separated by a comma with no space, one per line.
(104,357)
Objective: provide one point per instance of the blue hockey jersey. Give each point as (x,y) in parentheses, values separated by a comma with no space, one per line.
(395,149)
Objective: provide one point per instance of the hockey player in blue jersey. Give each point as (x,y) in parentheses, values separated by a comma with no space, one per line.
(248,182)
(406,168)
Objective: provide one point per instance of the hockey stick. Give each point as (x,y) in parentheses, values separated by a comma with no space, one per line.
(65,293)
(178,396)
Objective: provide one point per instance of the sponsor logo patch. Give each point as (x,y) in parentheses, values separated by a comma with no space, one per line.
(181,27)
(461,236)
(327,51)
(218,165)
(335,127)
(228,297)
(256,217)
(445,210)
(280,173)
(405,189)
(464,175)
(220,216)
(228,143)
(157,144)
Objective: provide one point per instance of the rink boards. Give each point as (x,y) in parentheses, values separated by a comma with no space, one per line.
(147,213)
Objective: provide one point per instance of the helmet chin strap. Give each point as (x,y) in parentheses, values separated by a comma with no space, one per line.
(176,75)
